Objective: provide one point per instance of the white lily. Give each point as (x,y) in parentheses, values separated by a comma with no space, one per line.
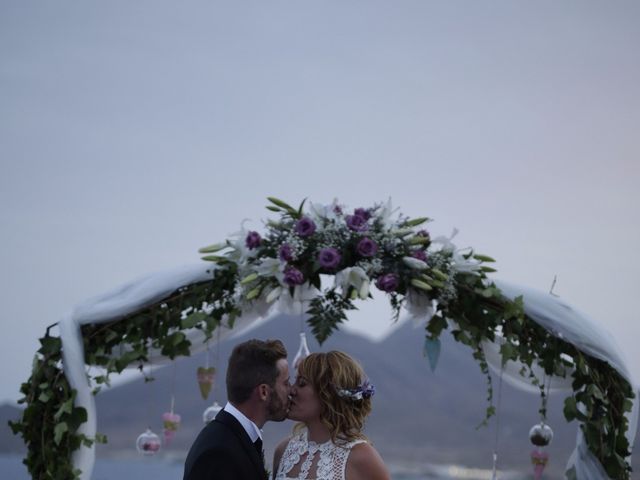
(415,263)
(458,262)
(446,242)
(319,213)
(461,264)
(240,251)
(385,214)
(354,277)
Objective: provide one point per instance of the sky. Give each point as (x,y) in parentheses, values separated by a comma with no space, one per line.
(134,133)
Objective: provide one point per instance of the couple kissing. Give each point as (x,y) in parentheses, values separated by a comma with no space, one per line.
(330,400)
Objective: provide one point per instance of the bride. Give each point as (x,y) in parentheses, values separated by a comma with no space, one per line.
(331,398)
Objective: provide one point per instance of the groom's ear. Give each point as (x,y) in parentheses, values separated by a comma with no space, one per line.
(263,391)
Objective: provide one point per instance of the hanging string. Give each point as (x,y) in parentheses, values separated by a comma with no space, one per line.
(495,442)
(217,358)
(173,387)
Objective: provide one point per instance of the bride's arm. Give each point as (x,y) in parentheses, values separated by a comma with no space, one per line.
(365,463)
(277,456)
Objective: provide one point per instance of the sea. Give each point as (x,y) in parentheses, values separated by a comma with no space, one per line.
(171,469)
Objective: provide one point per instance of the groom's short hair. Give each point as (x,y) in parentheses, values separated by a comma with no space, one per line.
(252,363)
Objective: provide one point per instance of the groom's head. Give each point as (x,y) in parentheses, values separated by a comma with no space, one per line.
(258,374)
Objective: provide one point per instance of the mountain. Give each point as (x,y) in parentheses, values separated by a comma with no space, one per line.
(418,416)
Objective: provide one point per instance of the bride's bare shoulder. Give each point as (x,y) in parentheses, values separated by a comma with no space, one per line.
(365,462)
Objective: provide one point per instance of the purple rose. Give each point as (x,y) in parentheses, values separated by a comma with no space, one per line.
(293,277)
(362,212)
(357,223)
(420,255)
(305,227)
(388,282)
(329,258)
(367,247)
(253,240)
(286,254)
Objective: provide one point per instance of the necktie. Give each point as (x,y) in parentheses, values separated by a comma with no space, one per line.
(258,445)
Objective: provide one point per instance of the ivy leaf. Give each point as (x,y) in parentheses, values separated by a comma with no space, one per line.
(50,345)
(66,407)
(436,325)
(44,397)
(431,350)
(193,319)
(59,430)
(570,409)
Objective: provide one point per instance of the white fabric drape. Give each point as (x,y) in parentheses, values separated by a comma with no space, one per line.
(567,323)
(547,310)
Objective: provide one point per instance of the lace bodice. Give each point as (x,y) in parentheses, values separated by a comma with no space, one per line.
(329,465)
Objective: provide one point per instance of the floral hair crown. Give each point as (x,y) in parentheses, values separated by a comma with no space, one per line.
(364,390)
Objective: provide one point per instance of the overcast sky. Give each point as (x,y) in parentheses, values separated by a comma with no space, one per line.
(133,133)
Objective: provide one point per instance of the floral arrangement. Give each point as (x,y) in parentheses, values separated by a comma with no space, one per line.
(360,248)
(365,390)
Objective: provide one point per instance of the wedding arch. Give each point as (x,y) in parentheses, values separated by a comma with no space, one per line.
(323,259)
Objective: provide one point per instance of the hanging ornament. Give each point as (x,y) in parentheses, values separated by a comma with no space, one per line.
(539,460)
(541,435)
(211,412)
(170,423)
(303,351)
(148,443)
(206,376)
(170,419)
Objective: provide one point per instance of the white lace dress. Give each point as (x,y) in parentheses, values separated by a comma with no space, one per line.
(320,461)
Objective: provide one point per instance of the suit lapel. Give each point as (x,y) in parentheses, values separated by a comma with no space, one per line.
(234,425)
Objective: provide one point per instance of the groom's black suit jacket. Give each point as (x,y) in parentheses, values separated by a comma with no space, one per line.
(223,451)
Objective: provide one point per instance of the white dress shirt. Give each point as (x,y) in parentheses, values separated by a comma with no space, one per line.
(251,428)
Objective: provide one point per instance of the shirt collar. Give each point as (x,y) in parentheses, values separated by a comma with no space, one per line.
(251,428)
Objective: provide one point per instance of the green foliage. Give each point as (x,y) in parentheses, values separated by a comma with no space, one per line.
(326,312)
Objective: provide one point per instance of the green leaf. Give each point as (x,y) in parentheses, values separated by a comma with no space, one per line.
(436,325)
(415,222)
(483,258)
(280,203)
(193,319)
(214,258)
(274,209)
(508,352)
(50,345)
(213,248)
(66,407)
(59,430)
(44,397)
(570,409)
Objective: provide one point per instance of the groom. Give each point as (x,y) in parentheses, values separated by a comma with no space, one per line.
(230,447)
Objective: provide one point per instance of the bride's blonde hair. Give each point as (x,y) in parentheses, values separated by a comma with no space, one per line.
(330,374)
